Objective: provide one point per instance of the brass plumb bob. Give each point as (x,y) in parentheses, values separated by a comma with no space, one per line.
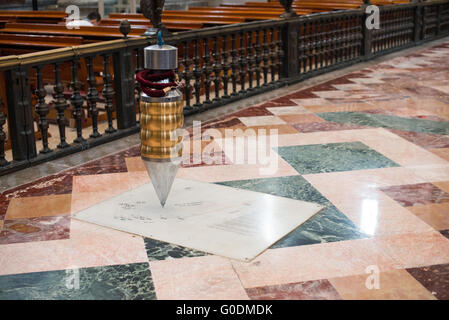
(161,124)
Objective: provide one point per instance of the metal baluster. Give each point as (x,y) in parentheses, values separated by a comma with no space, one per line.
(265,57)
(242,62)
(60,105)
(92,97)
(311,44)
(333,45)
(345,38)
(226,67)
(258,57)
(139,68)
(280,54)
(234,66)
(108,93)
(301,48)
(340,40)
(3,161)
(197,74)
(250,59)
(217,68)
(273,56)
(317,44)
(187,75)
(77,101)
(42,109)
(207,70)
(327,42)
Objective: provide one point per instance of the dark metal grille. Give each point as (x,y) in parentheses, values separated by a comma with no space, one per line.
(94,95)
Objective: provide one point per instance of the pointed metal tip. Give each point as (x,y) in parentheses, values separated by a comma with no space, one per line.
(162,175)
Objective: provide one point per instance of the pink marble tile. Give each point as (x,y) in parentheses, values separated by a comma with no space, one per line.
(357,195)
(311,102)
(134,164)
(367,80)
(428,141)
(345,106)
(288,110)
(436,215)
(351,87)
(416,194)
(90,190)
(309,290)
(35,229)
(89,246)
(432,173)
(33,207)
(312,262)
(416,249)
(277,167)
(331,94)
(261,121)
(199,278)
(301,118)
(401,151)
(393,285)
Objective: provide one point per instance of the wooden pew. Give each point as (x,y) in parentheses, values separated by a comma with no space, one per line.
(201,15)
(172,25)
(98,33)
(278,10)
(49,17)
(175,23)
(16,44)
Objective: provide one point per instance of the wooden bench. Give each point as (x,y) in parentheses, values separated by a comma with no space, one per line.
(16,44)
(98,33)
(50,17)
(172,25)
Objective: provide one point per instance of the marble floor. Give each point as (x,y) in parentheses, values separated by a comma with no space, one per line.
(372,147)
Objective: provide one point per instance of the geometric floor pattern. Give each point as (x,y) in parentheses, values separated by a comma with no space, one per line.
(371,146)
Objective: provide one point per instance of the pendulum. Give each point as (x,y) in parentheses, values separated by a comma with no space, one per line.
(161,107)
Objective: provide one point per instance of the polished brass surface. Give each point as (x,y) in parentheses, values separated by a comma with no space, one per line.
(160,129)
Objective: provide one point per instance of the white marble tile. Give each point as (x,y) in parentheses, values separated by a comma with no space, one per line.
(261,121)
(288,110)
(350,87)
(229,222)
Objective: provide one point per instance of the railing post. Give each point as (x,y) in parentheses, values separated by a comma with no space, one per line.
(124,85)
(438,22)
(418,22)
(20,114)
(290,36)
(367,33)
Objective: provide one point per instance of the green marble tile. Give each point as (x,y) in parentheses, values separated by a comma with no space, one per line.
(119,282)
(159,250)
(333,157)
(388,121)
(329,225)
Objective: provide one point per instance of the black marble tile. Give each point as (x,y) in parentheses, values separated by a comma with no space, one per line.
(434,278)
(329,225)
(159,250)
(119,282)
(445,233)
(333,157)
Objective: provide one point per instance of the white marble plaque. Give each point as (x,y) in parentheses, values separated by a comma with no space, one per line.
(220,220)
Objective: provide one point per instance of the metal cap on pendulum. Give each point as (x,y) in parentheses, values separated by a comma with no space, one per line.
(161,107)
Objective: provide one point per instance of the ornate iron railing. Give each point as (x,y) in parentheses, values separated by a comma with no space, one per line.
(95,96)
